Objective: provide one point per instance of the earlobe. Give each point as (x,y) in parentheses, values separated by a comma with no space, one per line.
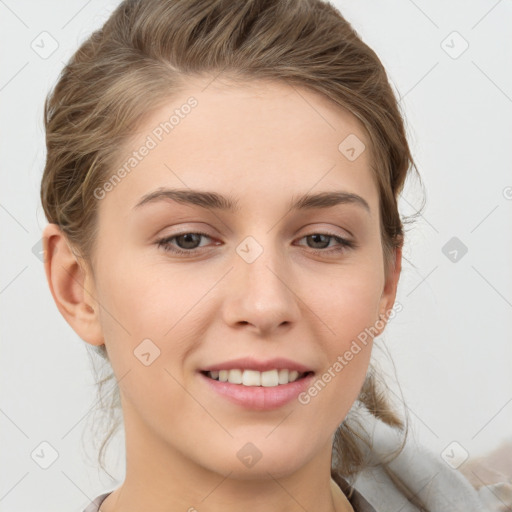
(71,286)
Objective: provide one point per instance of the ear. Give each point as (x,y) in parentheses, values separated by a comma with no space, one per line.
(388,296)
(71,286)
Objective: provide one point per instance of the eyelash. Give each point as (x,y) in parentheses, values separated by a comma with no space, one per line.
(165,244)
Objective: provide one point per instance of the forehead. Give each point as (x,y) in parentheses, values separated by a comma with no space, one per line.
(263,141)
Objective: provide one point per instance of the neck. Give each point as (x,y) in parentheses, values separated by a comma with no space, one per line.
(161,479)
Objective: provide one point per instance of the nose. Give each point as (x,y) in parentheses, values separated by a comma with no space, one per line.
(260,294)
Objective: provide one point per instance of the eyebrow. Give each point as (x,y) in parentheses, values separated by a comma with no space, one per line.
(216,201)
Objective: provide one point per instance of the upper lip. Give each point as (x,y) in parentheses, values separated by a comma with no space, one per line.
(249,363)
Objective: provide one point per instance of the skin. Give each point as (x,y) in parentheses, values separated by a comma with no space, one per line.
(262,143)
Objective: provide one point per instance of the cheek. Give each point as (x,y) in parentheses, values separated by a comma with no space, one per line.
(153,316)
(148,324)
(147,298)
(345,302)
(346,307)
(136,307)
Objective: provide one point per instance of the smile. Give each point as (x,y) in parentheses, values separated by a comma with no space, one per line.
(270,378)
(256,390)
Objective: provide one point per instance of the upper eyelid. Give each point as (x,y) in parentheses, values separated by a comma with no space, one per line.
(319,231)
(308,228)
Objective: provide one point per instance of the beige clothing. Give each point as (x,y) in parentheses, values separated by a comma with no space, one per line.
(359,504)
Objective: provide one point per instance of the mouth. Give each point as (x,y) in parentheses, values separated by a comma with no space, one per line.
(257,391)
(256,384)
(254,378)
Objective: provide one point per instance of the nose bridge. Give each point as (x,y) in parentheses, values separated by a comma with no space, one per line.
(261,289)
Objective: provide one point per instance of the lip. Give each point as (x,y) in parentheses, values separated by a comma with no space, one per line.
(249,363)
(259,398)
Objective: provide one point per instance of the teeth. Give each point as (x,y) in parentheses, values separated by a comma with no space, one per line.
(269,378)
(234,376)
(249,378)
(294,375)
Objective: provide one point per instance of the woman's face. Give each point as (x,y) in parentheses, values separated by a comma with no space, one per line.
(265,281)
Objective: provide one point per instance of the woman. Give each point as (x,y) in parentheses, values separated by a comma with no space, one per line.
(221,188)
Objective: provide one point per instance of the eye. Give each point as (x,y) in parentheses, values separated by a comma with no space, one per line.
(187,239)
(343,243)
(189,243)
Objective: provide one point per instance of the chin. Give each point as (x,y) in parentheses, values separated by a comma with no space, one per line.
(260,459)
(262,470)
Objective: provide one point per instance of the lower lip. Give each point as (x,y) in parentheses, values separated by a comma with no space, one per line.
(259,398)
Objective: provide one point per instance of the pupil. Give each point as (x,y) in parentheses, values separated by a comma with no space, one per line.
(187,237)
(325,244)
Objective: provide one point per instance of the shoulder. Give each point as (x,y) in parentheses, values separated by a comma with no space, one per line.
(491,474)
(356,499)
(94,506)
(417,477)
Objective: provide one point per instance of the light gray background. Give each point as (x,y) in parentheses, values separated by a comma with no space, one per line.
(451,344)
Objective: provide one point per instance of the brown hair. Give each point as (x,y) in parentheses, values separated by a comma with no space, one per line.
(142,56)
